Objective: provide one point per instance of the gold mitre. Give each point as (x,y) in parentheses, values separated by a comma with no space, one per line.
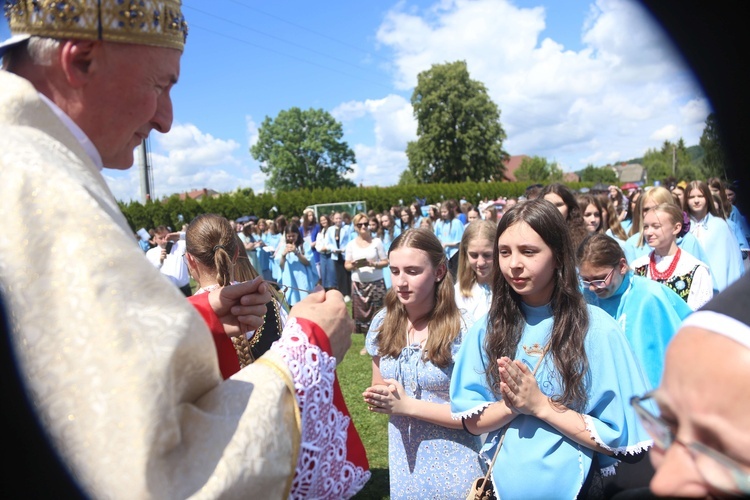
(146,22)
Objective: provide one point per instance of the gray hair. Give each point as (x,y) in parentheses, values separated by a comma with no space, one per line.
(39,50)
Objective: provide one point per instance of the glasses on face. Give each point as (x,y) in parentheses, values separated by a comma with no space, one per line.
(362,224)
(717,469)
(598,283)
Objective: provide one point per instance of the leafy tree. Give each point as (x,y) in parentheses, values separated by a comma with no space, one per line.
(604,175)
(407,178)
(303,150)
(714,160)
(538,169)
(458,126)
(672,162)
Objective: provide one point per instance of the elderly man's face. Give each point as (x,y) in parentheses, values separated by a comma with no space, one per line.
(127,96)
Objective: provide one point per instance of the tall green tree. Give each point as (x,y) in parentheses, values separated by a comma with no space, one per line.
(303,149)
(458,127)
(714,160)
(538,169)
(671,162)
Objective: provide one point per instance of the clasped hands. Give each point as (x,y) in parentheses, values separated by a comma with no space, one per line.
(389,398)
(519,388)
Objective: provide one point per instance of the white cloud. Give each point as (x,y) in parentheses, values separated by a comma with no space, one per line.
(252,131)
(667,133)
(596,103)
(695,112)
(186,159)
(393,127)
(623,91)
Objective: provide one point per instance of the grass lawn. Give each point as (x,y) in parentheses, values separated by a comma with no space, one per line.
(355,374)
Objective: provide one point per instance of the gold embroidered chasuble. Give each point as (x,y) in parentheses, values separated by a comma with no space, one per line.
(120,367)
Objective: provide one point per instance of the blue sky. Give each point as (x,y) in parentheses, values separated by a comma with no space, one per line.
(577,82)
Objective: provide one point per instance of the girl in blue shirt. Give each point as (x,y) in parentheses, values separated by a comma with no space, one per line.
(570,420)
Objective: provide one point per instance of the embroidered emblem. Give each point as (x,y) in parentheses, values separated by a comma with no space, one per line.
(133,14)
(66,11)
(535,350)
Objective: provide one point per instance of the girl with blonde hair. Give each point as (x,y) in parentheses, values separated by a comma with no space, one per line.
(669,264)
(475,255)
(413,342)
(648,200)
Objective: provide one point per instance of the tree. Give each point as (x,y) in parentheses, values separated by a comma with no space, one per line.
(671,162)
(538,169)
(303,149)
(714,161)
(605,175)
(458,127)
(407,178)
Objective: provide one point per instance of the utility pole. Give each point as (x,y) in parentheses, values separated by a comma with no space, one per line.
(674,159)
(145,171)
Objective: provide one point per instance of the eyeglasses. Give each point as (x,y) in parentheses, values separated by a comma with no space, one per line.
(598,283)
(363,224)
(717,469)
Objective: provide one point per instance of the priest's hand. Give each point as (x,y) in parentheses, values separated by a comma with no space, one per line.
(241,307)
(328,311)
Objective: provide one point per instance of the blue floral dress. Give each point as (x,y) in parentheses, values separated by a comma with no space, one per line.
(425,460)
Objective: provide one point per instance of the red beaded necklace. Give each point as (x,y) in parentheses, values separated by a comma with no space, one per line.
(657,275)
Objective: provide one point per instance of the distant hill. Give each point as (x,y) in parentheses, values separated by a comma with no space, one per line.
(696,154)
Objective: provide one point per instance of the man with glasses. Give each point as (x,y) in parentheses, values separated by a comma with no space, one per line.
(700,415)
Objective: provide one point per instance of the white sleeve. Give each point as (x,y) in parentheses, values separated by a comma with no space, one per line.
(701,290)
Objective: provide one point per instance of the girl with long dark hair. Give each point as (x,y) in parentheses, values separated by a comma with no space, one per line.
(550,374)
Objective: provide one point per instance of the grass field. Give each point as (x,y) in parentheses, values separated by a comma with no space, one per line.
(355,374)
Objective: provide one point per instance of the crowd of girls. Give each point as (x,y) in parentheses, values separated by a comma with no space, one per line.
(567,306)
(561,310)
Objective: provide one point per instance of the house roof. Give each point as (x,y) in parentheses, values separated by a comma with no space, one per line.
(198,194)
(571,177)
(631,172)
(511,165)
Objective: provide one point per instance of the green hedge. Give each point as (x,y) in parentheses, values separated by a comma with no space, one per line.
(167,212)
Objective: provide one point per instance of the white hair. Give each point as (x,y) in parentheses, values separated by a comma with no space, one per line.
(40,51)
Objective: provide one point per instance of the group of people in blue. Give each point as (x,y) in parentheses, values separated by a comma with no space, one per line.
(522,330)
(535,350)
